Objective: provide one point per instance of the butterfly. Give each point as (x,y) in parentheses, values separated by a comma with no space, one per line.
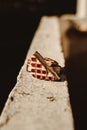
(43,68)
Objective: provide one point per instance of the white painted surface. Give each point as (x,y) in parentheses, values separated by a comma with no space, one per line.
(81,9)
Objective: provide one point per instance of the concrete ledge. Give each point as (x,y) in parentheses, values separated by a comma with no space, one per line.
(37,104)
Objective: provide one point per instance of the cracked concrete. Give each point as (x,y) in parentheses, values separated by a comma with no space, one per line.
(35,104)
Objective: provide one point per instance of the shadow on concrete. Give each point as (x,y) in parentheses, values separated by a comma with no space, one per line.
(16,32)
(76,70)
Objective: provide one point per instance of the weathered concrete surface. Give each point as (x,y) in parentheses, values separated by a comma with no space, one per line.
(36,104)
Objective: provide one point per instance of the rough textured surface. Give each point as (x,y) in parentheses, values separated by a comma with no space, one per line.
(37,104)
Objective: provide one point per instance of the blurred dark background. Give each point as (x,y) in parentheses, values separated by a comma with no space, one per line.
(18,21)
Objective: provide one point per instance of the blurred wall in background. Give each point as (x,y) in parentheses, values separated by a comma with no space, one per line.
(41,6)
